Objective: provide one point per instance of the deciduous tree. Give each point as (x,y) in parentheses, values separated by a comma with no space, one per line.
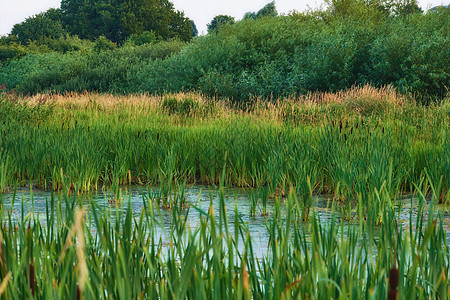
(218,21)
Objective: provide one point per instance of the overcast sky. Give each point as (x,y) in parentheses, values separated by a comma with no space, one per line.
(201,11)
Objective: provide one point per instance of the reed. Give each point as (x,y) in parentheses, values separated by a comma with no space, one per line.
(357,140)
(118,254)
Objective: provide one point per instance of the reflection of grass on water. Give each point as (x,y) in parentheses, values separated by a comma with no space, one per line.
(125,257)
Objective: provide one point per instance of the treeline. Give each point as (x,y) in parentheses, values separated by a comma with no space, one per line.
(116,20)
(351,42)
(96,24)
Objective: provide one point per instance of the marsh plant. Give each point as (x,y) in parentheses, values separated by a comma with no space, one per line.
(87,252)
(363,157)
(90,141)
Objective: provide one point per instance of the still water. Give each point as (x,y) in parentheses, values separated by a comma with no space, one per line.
(33,204)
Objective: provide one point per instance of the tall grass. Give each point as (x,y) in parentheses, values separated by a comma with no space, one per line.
(365,147)
(358,141)
(92,253)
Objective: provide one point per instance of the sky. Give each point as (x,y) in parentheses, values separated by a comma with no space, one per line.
(201,11)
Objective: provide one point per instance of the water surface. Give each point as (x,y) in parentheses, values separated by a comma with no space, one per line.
(26,203)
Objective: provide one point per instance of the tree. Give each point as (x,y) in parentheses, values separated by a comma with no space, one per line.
(194,29)
(118,19)
(39,27)
(406,7)
(363,9)
(90,19)
(218,21)
(250,15)
(269,10)
(438,8)
(159,16)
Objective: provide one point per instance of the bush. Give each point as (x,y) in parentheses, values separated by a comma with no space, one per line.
(147,37)
(103,44)
(105,71)
(267,57)
(185,106)
(14,108)
(11,52)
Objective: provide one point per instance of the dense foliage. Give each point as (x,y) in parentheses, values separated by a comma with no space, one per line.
(219,21)
(347,143)
(267,11)
(101,71)
(349,43)
(116,20)
(47,25)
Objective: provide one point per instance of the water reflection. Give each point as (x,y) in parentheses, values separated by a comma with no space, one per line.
(25,203)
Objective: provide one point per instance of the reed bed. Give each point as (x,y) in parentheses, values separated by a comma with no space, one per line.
(364,148)
(347,143)
(83,252)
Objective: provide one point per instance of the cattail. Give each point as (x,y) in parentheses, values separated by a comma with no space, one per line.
(2,257)
(393,283)
(157,136)
(78,295)
(340,126)
(139,134)
(351,130)
(383,130)
(357,125)
(32,279)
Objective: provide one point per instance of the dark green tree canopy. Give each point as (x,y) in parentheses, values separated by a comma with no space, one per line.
(269,10)
(117,20)
(194,29)
(407,7)
(218,21)
(368,8)
(39,27)
(147,37)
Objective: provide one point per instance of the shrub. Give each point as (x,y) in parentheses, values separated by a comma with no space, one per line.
(267,57)
(186,106)
(14,108)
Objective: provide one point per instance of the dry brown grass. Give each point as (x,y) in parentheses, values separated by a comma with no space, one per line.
(313,107)
(365,93)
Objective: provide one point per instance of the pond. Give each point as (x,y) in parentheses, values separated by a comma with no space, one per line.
(34,203)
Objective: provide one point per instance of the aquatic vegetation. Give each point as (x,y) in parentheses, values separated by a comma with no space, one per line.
(89,141)
(87,251)
(363,155)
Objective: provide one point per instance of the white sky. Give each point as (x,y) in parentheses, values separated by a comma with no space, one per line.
(201,11)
